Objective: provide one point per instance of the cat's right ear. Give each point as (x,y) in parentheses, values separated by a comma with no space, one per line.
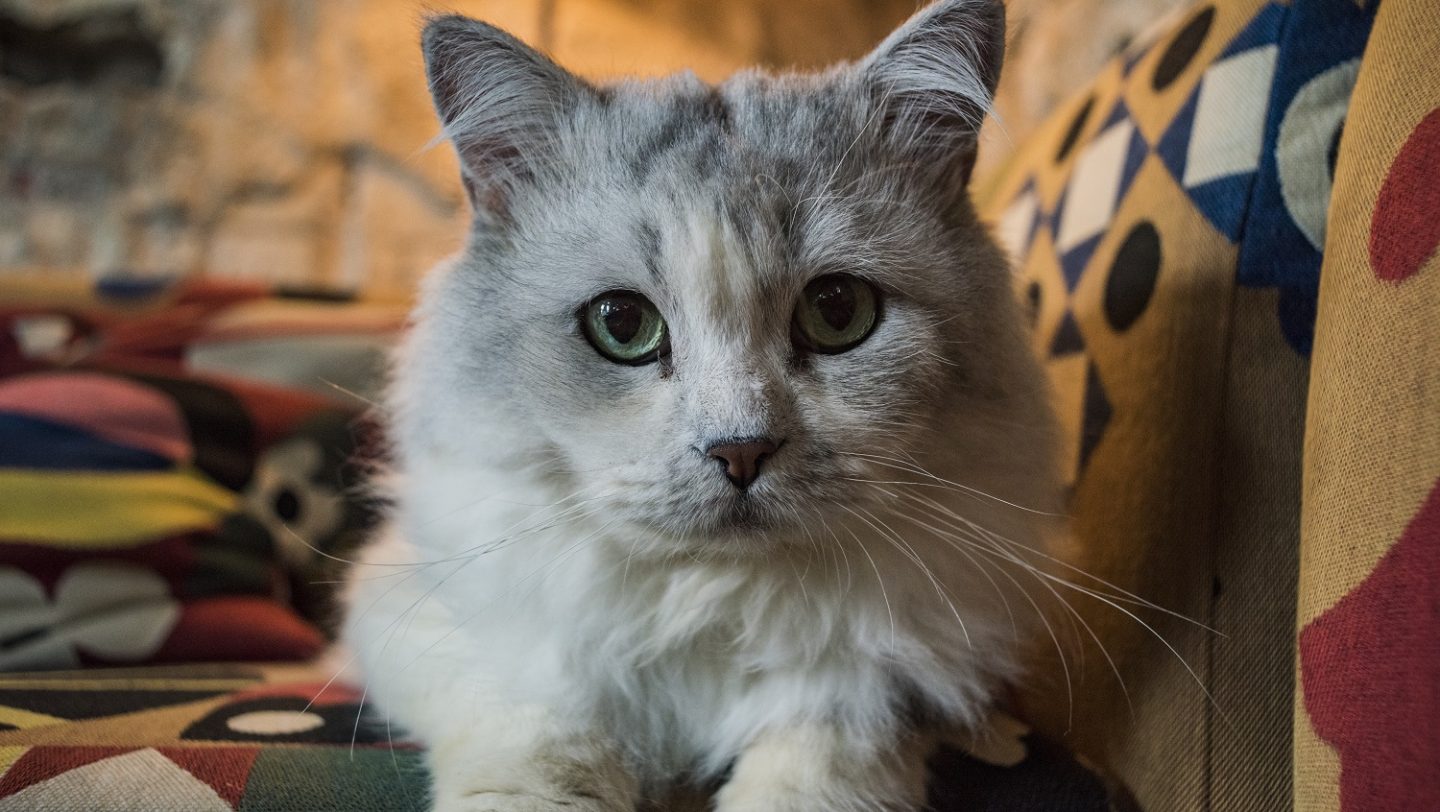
(501,103)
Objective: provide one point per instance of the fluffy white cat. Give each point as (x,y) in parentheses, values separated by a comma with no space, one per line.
(718,444)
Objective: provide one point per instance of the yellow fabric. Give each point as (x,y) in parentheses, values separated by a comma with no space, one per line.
(95,510)
(22,719)
(8,756)
(1372,445)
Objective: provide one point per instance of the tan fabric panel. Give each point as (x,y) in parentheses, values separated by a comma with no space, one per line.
(1370,536)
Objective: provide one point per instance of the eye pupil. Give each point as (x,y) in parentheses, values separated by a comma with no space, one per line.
(625,328)
(836,305)
(835,313)
(622,319)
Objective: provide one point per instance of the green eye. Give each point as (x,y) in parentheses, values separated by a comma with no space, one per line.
(836,312)
(625,327)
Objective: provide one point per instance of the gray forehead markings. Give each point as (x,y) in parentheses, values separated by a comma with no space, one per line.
(693,115)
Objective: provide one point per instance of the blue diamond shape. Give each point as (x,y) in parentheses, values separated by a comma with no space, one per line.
(1068,340)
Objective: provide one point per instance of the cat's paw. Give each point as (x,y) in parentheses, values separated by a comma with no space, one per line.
(780,800)
(483,801)
(819,769)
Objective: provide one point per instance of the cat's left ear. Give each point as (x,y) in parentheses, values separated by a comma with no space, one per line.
(935,78)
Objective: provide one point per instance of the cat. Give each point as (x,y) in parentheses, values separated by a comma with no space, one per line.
(716,444)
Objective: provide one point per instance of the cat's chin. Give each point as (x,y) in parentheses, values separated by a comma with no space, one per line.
(741,530)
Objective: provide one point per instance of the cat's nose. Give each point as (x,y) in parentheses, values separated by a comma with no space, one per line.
(742,458)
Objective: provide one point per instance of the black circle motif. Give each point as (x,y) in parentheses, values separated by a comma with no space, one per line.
(1182,49)
(287,505)
(1077,125)
(1033,298)
(1132,276)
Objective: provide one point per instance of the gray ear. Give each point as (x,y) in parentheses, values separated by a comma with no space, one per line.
(501,103)
(935,77)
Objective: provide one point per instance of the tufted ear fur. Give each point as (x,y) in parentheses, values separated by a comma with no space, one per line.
(935,77)
(501,102)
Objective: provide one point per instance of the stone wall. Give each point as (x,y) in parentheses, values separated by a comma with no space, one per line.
(286,139)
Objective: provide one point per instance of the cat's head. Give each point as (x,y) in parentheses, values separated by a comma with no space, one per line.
(718,313)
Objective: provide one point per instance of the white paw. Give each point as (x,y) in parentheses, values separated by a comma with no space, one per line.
(752,797)
(514,802)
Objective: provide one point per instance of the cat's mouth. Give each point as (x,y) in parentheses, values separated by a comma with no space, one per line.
(746,521)
(745,516)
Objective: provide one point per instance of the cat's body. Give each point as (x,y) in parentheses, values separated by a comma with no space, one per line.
(742,554)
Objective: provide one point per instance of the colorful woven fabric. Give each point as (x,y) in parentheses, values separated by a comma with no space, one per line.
(281,739)
(152,510)
(1170,227)
(1367,712)
(197,739)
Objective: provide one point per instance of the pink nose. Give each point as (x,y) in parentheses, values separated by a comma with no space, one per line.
(742,459)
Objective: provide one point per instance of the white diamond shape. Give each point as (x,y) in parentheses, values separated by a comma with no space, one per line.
(138,781)
(1013,227)
(1094,189)
(1229,126)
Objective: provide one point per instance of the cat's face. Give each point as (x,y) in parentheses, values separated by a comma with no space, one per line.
(716,313)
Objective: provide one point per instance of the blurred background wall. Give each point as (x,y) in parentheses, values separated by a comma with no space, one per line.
(285,139)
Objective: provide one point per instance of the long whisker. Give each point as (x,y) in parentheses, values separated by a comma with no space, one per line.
(878,580)
(1124,596)
(1054,638)
(994,549)
(909,552)
(960,536)
(941,480)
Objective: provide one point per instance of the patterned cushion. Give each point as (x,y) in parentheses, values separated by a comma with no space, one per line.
(149,512)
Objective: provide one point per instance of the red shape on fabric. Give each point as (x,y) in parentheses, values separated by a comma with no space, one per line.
(1405,227)
(164,332)
(218,292)
(275,410)
(239,628)
(317,693)
(225,769)
(42,763)
(1370,672)
(107,406)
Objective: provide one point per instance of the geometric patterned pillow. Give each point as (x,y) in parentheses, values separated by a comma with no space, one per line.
(150,514)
